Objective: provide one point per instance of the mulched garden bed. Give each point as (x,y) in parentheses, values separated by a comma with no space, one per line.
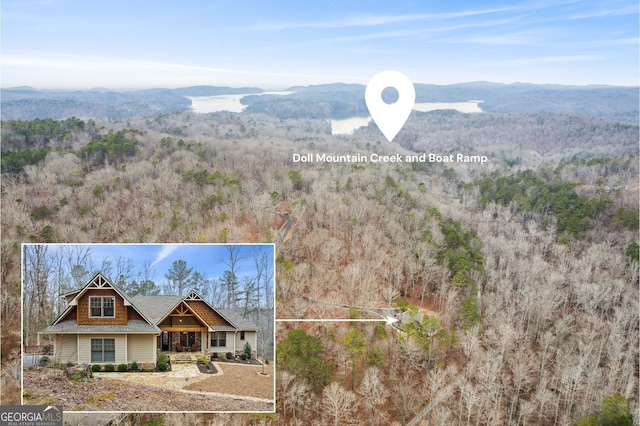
(210,370)
(251,361)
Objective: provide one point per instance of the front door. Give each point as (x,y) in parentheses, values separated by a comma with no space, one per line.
(165,341)
(184,340)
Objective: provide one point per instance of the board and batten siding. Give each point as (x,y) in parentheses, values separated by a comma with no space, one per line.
(66,348)
(141,348)
(84,347)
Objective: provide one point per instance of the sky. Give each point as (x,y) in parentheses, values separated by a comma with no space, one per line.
(75,44)
(204,258)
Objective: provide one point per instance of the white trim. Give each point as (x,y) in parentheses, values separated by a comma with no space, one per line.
(154,348)
(113,299)
(102,345)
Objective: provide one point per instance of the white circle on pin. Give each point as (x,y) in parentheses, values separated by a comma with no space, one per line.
(390,117)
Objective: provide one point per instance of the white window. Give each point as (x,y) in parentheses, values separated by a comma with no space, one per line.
(218,339)
(103,350)
(102,307)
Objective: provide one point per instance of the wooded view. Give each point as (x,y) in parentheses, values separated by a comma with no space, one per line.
(517,280)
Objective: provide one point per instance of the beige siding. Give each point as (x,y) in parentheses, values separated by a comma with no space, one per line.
(85,348)
(234,344)
(66,349)
(249,336)
(227,348)
(141,348)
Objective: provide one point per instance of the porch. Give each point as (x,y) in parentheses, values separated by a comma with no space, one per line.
(182,341)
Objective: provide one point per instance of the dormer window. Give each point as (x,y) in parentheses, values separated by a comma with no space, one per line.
(101,307)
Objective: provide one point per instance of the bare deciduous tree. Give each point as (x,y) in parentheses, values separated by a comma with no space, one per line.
(337,403)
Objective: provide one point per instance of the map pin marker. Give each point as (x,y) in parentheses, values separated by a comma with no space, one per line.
(390,117)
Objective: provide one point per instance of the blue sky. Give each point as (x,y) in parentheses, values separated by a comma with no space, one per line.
(204,258)
(276,44)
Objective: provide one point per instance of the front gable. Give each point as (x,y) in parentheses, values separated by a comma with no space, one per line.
(101,306)
(212,318)
(205,311)
(181,318)
(100,303)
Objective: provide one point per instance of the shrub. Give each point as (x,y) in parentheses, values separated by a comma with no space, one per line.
(46,349)
(633,251)
(134,366)
(109,367)
(229,355)
(44,361)
(122,367)
(163,361)
(243,356)
(56,364)
(247,350)
(40,213)
(96,367)
(405,306)
(223,357)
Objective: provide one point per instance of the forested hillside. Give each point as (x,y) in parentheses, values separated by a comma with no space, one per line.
(517,279)
(325,101)
(516,139)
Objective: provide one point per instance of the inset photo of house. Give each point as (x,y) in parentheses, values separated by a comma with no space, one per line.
(149,327)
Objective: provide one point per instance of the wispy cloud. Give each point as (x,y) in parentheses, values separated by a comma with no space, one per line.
(630,10)
(526,37)
(548,59)
(36,60)
(410,32)
(164,252)
(367,20)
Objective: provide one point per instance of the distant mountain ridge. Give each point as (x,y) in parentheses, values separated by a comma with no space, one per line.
(215,90)
(325,101)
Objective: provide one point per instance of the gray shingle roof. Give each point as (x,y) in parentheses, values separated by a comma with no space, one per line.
(223,328)
(70,326)
(155,307)
(238,320)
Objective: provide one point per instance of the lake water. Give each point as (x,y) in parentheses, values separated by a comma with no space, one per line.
(346,126)
(469,106)
(349,125)
(223,102)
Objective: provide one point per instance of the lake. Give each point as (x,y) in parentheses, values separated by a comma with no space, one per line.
(347,126)
(223,102)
